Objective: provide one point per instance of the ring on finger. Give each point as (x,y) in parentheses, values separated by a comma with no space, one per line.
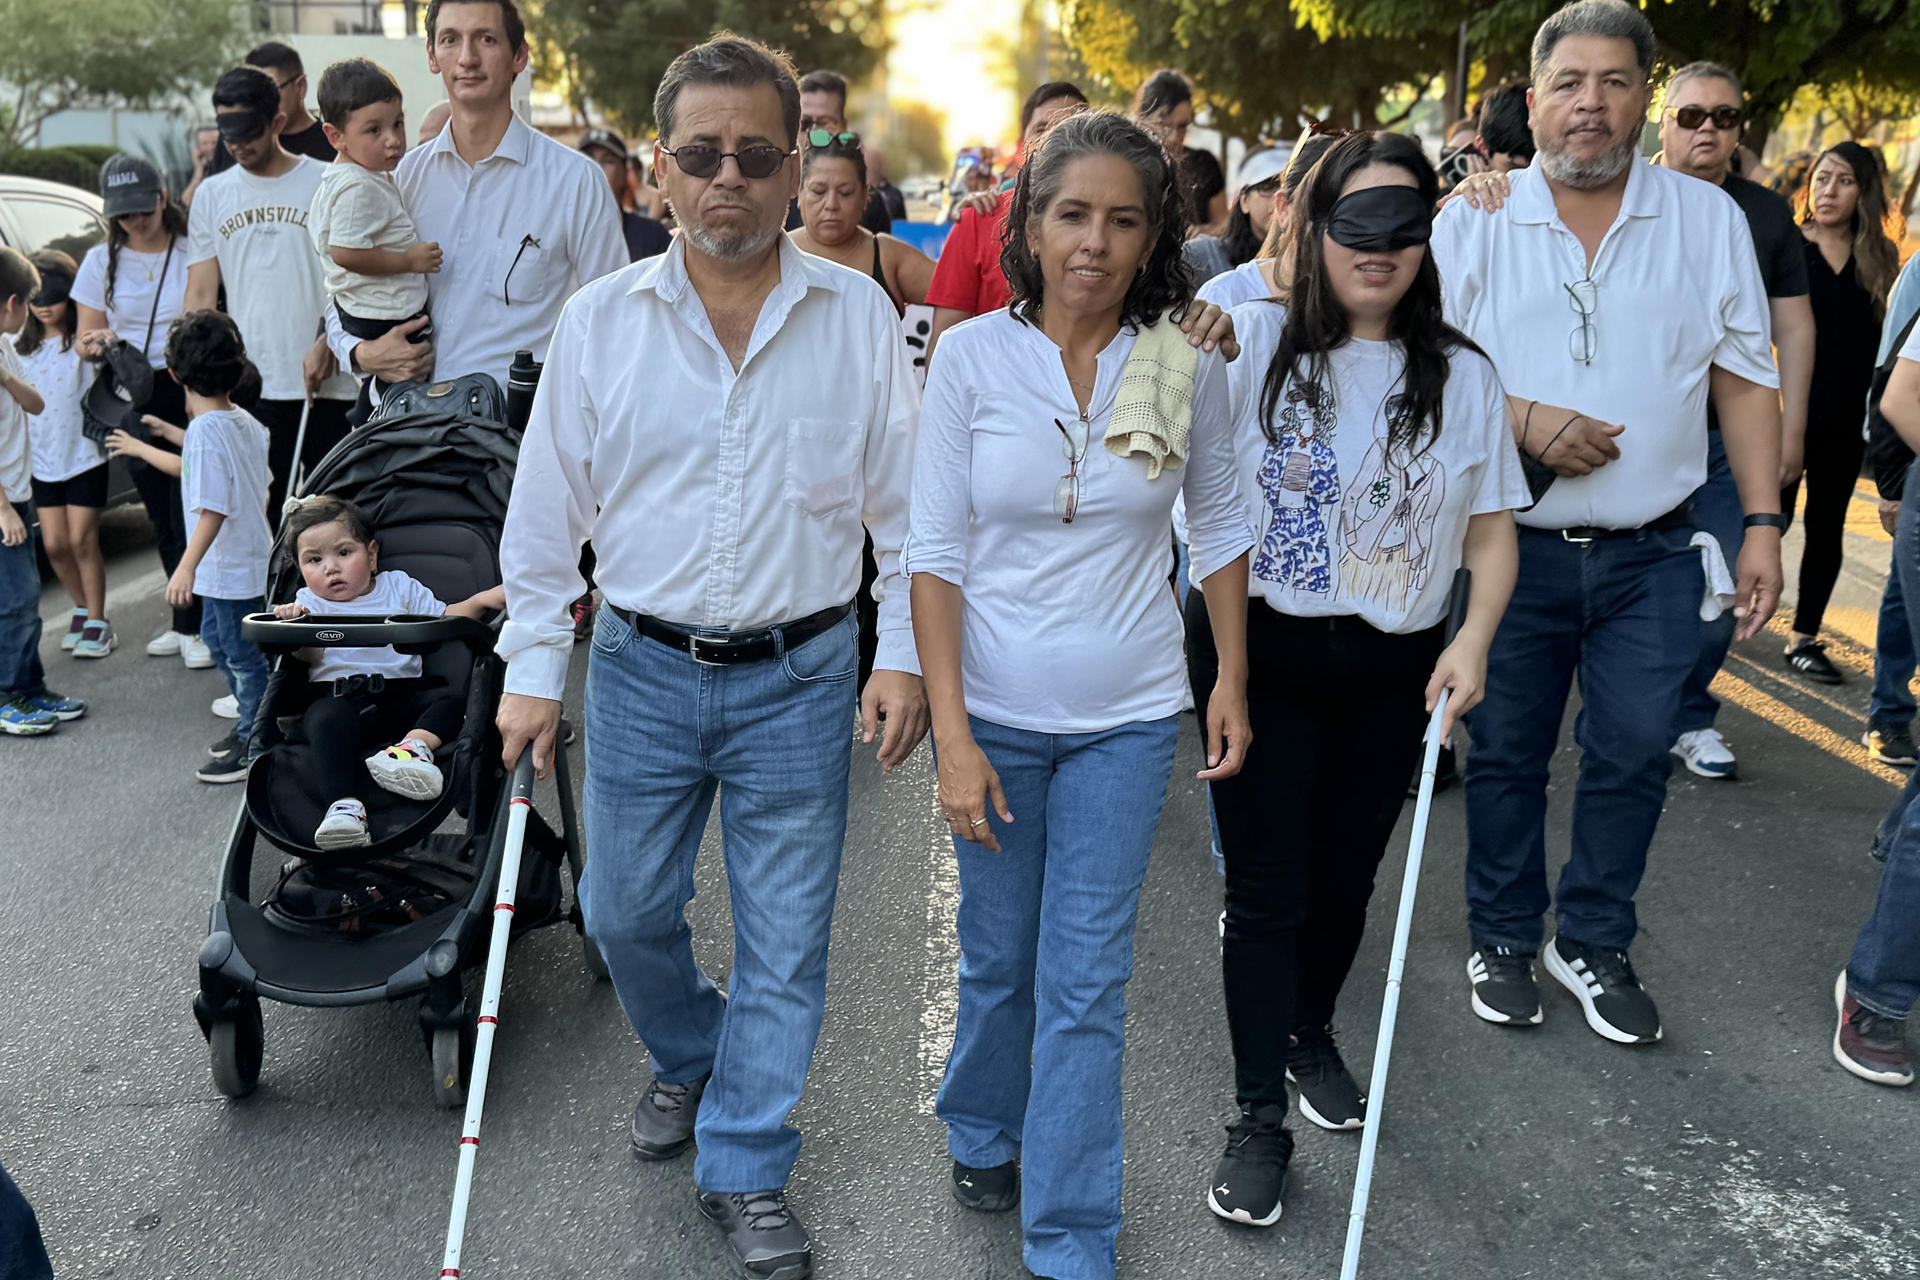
(978,822)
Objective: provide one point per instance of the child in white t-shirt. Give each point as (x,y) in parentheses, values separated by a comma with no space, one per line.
(376,264)
(339,559)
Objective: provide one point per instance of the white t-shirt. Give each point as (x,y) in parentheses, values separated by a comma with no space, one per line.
(1346,523)
(390,592)
(1231,288)
(223,468)
(16,472)
(140,277)
(356,208)
(257,230)
(1066,628)
(60,450)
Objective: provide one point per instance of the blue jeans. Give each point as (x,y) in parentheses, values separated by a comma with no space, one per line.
(1716,506)
(244,666)
(1046,948)
(23,1254)
(21,674)
(1884,971)
(1894,655)
(774,738)
(1624,615)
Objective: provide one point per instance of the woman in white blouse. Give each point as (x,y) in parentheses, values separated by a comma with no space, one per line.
(1050,644)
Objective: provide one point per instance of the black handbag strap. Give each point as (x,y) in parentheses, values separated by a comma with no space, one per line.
(146,343)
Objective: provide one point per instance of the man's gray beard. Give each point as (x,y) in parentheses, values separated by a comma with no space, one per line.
(729,248)
(1597,172)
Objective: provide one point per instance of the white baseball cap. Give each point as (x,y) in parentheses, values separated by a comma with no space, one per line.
(1264,164)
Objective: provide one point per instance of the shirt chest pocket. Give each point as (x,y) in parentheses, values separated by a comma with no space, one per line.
(823,464)
(529,268)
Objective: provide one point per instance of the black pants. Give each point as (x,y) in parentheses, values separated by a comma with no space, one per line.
(326,427)
(23,1254)
(368,330)
(1835,451)
(339,729)
(160,493)
(1337,711)
(867,617)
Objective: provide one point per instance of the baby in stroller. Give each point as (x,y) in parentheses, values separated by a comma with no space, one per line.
(339,559)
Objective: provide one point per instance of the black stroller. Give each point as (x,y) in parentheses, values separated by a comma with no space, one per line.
(409,914)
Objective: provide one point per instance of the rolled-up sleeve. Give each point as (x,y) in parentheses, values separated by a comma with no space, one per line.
(549,518)
(888,482)
(943,469)
(1217,529)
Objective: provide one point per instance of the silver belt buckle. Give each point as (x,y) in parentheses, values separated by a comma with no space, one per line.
(1567,536)
(693,651)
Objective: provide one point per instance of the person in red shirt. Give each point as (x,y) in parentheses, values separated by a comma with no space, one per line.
(967,280)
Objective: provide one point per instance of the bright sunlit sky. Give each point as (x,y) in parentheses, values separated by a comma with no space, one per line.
(944,55)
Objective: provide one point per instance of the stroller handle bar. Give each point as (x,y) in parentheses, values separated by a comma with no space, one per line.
(406,632)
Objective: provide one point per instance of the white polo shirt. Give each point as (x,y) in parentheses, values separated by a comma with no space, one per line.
(1677,290)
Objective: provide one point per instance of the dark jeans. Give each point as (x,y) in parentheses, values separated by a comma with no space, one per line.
(1305,823)
(21,674)
(326,427)
(1884,971)
(339,728)
(240,661)
(1716,505)
(1834,453)
(1894,654)
(23,1255)
(1624,615)
(161,495)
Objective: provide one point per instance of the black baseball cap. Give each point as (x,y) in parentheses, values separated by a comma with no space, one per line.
(129,184)
(606,139)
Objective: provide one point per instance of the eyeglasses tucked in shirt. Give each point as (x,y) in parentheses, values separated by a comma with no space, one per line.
(528,241)
(1073,442)
(1583,296)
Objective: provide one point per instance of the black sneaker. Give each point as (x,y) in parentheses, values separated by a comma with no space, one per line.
(663,1118)
(1602,980)
(762,1233)
(1891,746)
(1329,1095)
(1504,991)
(994,1190)
(1252,1171)
(227,744)
(228,766)
(1809,658)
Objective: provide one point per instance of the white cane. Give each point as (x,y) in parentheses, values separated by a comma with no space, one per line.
(296,471)
(519,806)
(1397,964)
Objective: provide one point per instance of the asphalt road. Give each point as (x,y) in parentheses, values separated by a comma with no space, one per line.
(1735,1150)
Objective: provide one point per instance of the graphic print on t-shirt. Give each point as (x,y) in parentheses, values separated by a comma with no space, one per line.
(1301,479)
(1388,519)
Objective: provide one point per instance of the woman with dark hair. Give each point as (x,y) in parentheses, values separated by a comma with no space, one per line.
(1164,108)
(1376,459)
(833,193)
(1851,265)
(133,287)
(1050,647)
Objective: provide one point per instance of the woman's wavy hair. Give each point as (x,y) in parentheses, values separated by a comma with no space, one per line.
(172,217)
(1317,324)
(1876,257)
(1165,286)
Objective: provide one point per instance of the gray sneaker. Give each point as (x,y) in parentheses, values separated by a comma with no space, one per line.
(663,1118)
(762,1233)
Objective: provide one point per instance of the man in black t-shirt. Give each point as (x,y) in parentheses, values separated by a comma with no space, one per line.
(1702,112)
(303,135)
(645,236)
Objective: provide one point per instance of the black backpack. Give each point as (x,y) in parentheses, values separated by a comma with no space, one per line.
(1887,454)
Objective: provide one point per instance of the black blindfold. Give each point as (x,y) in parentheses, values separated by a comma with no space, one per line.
(55,287)
(237,128)
(1381,218)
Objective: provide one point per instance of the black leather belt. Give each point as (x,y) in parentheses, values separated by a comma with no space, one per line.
(734,647)
(1681,517)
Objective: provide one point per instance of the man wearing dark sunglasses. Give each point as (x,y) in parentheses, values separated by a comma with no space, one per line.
(727,421)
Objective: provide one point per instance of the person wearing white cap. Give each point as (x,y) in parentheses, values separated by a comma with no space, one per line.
(1250,214)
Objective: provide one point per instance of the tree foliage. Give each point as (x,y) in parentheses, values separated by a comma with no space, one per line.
(57,56)
(615,51)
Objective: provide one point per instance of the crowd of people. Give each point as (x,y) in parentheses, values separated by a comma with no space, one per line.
(1182,446)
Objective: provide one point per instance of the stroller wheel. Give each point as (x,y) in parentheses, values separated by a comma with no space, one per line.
(452,1052)
(596,963)
(237,1046)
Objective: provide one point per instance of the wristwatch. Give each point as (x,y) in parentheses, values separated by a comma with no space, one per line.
(1768,520)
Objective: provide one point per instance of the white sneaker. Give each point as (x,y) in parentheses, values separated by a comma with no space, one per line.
(227,708)
(406,769)
(194,652)
(344,827)
(1705,752)
(165,645)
